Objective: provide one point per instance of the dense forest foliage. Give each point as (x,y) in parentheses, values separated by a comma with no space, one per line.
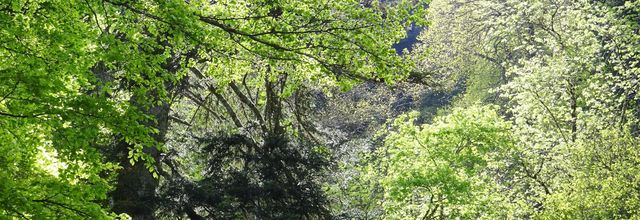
(309,109)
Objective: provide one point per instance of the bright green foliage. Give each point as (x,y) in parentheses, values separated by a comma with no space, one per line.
(604,180)
(329,42)
(571,79)
(570,74)
(574,101)
(444,169)
(448,51)
(453,54)
(352,118)
(50,127)
(77,75)
(85,80)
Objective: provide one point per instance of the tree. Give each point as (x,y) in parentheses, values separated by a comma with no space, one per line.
(570,78)
(446,169)
(50,112)
(114,68)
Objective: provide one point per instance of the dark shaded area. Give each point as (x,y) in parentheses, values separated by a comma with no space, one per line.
(429,104)
(244,180)
(410,40)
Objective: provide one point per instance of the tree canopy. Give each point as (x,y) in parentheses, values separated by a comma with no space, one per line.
(283,109)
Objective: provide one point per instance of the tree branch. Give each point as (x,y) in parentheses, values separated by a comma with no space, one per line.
(244,99)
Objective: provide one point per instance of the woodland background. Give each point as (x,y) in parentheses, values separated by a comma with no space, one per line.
(310,109)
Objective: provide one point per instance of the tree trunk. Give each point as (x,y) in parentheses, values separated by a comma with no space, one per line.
(135,189)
